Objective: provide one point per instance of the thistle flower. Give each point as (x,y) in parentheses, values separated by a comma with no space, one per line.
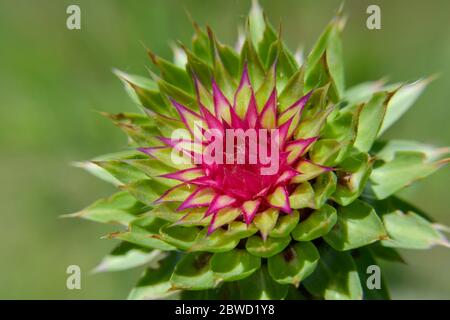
(303,186)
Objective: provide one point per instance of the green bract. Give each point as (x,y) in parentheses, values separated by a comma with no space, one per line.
(312,233)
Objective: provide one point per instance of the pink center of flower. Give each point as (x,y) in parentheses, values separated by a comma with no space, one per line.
(255,172)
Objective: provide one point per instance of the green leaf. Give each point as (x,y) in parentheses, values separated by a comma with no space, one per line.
(146,191)
(260,248)
(403,99)
(143,231)
(257,24)
(229,59)
(204,96)
(294,264)
(318,76)
(140,237)
(303,196)
(324,187)
(145,92)
(335,59)
(295,294)
(234,265)
(285,224)
(312,126)
(120,208)
(225,66)
(393,203)
(385,253)
(165,211)
(411,231)
(172,158)
(335,277)
(179,57)
(193,272)
(241,230)
(172,73)
(386,150)
(353,173)
(120,170)
(286,66)
(194,217)
(370,120)
(166,125)
(179,95)
(150,167)
(126,256)
(308,171)
(218,241)
(199,68)
(140,128)
(342,128)
(325,61)
(264,91)
(293,90)
(357,225)
(266,221)
(181,237)
(99,172)
(258,286)
(255,67)
(316,224)
(317,102)
(325,152)
(154,283)
(200,44)
(362,93)
(406,168)
(225,216)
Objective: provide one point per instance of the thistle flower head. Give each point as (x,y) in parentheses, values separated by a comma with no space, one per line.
(248,166)
(244,155)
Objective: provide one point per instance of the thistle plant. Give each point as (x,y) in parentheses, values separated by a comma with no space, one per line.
(298,208)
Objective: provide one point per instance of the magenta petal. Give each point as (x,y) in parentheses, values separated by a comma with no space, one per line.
(188,116)
(287,175)
(211,120)
(151,151)
(269,112)
(169,195)
(220,202)
(189,148)
(197,85)
(245,82)
(211,227)
(203,181)
(236,121)
(249,209)
(174,142)
(185,175)
(283,131)
(252,112)
(298,148)
(221,104)
(263,192)
(300,103)
(279,199)
(201,197)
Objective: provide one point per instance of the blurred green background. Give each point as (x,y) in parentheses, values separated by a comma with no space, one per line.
(52,80)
